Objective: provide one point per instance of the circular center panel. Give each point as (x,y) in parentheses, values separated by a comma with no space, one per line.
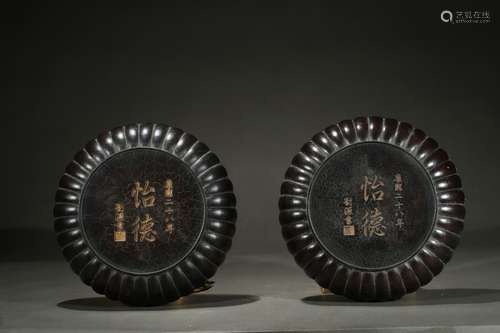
(372,205)
(142,210)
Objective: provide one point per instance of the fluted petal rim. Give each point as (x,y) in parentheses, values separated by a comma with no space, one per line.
(190,273)
(337,276)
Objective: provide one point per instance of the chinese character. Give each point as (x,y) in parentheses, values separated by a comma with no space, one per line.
(398,183)
(169,228)
(348,226)
(398,203)
(399,223)
(120,234)
(169,218)
(168,189)
(144,195)
(169,206)
(372,223)
(143,229)
(370,187)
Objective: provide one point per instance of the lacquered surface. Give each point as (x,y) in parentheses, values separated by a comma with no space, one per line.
(382,283)
(207,253)
(114,182)
(406,216)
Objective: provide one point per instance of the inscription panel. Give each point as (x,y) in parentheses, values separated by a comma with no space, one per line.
(372,205)
(142,210)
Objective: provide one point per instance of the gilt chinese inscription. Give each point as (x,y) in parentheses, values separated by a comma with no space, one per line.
(143,227)
(143,195)
(374,190)
(169,203)
(373,220)
(120,234)
(349,229)
(398,201)
(373,223)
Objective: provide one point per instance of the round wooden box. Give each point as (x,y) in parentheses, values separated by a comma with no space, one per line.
(372,208)
(145,214)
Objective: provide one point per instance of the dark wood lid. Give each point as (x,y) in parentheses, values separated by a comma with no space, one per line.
(371,208)
(145,214)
